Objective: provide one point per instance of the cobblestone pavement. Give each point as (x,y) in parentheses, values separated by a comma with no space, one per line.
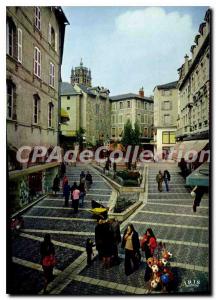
(168,214)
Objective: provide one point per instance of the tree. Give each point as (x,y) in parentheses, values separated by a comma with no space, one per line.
(128,135)
(137,133)
(131,137)
(79,137)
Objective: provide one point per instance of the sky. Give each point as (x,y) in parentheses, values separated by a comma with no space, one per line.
(130,47)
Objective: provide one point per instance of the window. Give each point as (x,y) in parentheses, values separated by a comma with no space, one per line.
(168,137)
(145,119)
(113,131)
(36,109)
(52,75)
(113,119)
(50,114)
(113,106)
(142,105)
(37,17)
(52,37)
(37,62)
(166,105)
(167,119)
(68,97)
(145,106)
(121,105)
(142,118)
(19,45)
(120,119)
(11,92)
(11,37)
(120,131)
(128,104)
(145,131)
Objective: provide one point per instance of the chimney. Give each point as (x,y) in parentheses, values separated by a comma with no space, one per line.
(186,64)
(141,92)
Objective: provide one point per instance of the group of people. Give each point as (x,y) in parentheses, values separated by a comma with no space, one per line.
(160,177)
(107,240)
(76,191)
(131,243)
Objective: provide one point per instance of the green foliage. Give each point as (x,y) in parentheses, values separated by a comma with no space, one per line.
(130,182)
(131,136)
(79,136)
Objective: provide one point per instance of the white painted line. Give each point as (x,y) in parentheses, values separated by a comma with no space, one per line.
(60,208)
(170,225)
(99,195)
(180,205)
(190,267)
(59,218)
(191,244)
(109,284)
(31,265)
(79,233)
(172,214)
(60,244)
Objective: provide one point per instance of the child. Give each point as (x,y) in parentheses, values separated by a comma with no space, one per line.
(89,251)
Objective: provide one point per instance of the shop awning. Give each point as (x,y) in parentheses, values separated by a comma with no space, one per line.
(186,146)
(64,114)
(69,133)
(200,145)
(200,176)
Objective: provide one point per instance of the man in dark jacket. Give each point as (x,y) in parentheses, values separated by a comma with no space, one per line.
(117,239)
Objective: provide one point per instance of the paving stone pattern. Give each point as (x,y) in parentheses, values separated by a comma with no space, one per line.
(96,280)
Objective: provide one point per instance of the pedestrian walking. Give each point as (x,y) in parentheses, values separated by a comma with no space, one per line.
(148,245)
(116,239)
(48,261)
(107,166)
(89,251)
(64,180)
(56,184)
(82,177)
(63,169)
(166,178)
(88,180)
(66,193)
(198,192)
(159,179)
(99,234)
(75,199)
(131,244)
(82,193)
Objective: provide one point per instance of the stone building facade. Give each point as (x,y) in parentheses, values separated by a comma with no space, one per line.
(194,88)
(35,39)
(88,108)
(165,117)
(135,107)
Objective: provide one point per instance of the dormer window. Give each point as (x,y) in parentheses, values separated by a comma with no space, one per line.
(52,37)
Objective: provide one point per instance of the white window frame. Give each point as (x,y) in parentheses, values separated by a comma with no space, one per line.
(35,112)
(38,17)
(37,62)
(56,41)
(52,75)
(19,45)
(12,101)
(50,115)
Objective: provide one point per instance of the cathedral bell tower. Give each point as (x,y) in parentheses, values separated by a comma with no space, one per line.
(81,75)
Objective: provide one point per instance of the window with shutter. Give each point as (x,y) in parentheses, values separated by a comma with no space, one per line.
(19,45)
(37,62)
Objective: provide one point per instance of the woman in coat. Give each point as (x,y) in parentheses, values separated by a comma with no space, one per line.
(148,245)
(131,245)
